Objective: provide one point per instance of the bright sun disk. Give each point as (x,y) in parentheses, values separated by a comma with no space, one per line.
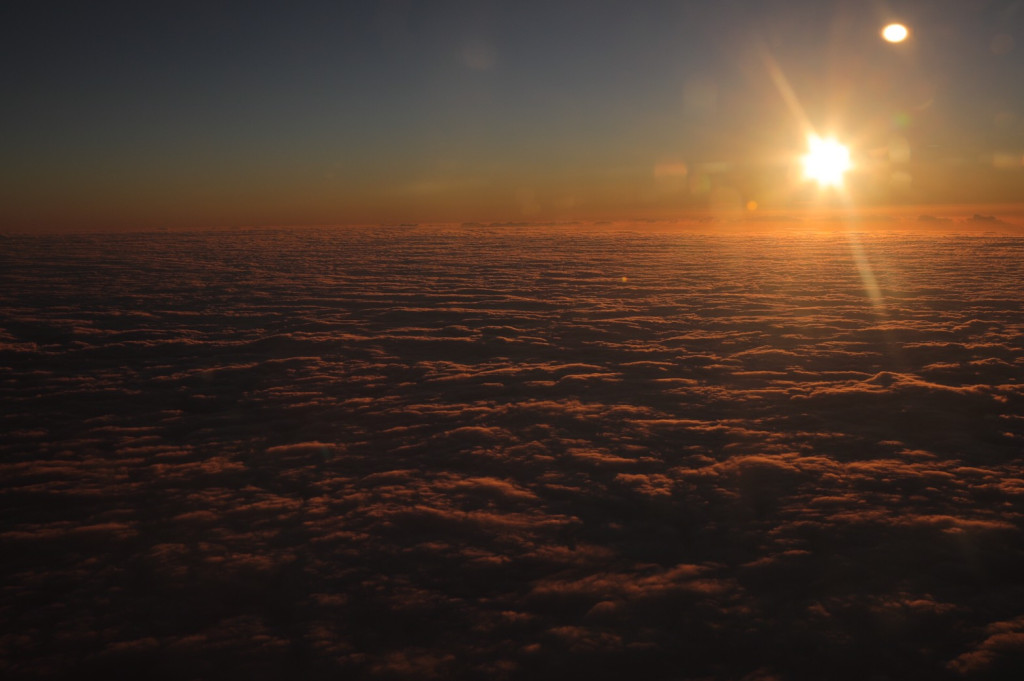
(895,33)
(826,161)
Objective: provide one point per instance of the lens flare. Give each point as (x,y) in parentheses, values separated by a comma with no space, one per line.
(895,33)
(826,161)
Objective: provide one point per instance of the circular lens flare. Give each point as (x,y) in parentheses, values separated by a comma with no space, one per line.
(895,33)
(826,161)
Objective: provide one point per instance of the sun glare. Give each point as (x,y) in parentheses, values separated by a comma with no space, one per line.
(826,161)
(895,33)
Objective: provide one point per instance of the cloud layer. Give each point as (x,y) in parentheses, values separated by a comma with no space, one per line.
(507,454)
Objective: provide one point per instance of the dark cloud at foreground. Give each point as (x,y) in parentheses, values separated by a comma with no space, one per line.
(416,454)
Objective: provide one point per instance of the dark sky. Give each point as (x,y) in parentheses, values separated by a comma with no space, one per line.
(153,114)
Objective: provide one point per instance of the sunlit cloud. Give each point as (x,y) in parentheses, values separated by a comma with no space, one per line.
(551,442)
(1007,160)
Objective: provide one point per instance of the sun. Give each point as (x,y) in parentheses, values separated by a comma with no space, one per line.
(895,33)
(826,161)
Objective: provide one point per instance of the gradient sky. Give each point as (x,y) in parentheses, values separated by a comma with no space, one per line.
(189,114)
